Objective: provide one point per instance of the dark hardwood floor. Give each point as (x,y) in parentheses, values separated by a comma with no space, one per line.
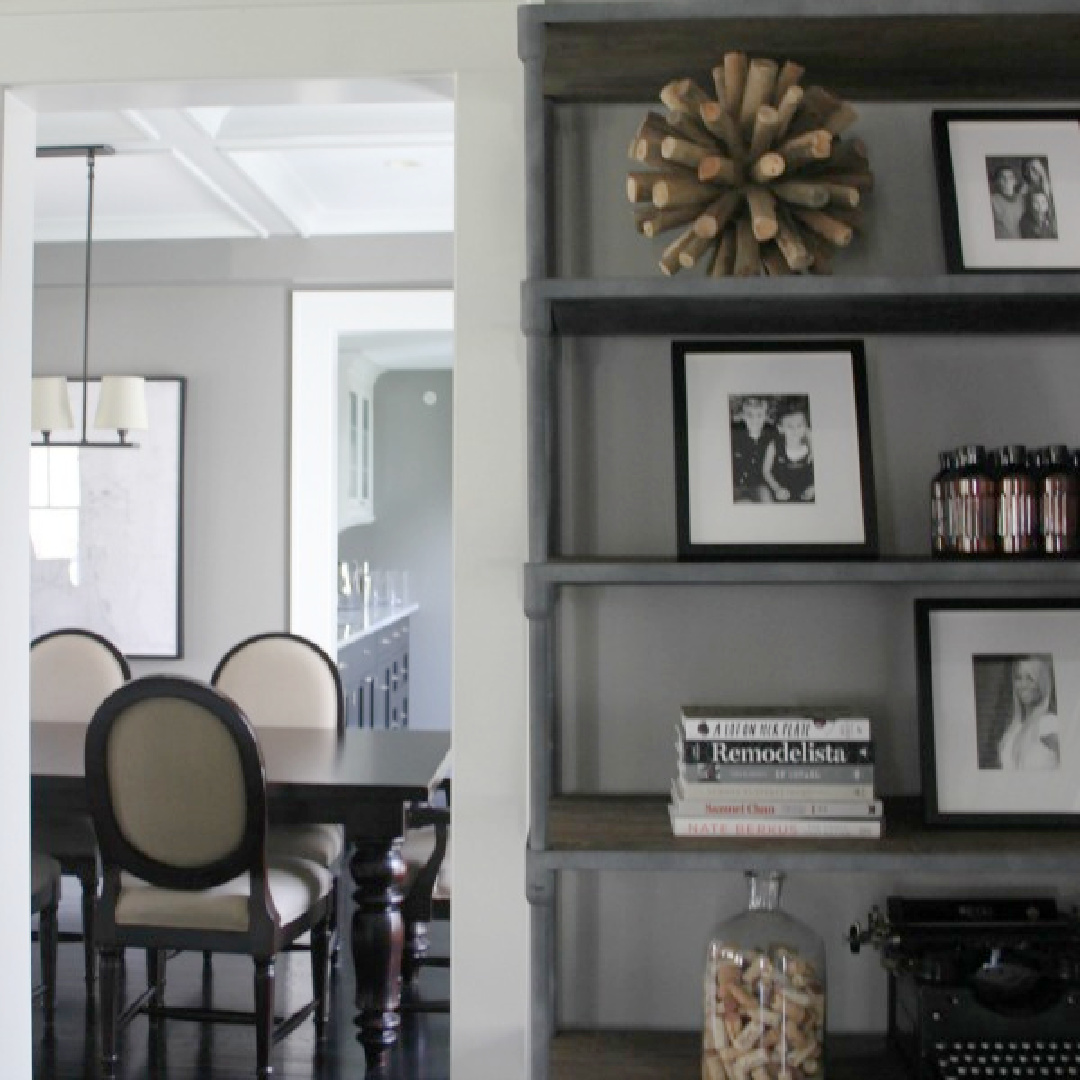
(186,1050)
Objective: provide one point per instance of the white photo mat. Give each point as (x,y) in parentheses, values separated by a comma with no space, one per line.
(972,143)
(963,785)
(106,544)
(836,514)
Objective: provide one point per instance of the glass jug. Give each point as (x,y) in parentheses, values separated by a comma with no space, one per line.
(764,993)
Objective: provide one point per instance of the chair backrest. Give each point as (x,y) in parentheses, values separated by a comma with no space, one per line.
(175,783)
(72,671)
(283,680)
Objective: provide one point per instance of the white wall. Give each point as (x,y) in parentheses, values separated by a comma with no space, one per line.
(477,41)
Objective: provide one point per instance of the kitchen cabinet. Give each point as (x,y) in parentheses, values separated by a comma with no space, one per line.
(603,586)
(373,660)
(356,441)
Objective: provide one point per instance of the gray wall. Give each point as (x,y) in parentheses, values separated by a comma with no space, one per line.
(411,530)
(218,313)
(632,944)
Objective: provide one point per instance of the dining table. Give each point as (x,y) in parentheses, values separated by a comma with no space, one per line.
(364,779)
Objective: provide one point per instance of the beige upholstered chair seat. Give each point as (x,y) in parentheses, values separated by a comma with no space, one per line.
(294,887)
(319,843)
(418,847)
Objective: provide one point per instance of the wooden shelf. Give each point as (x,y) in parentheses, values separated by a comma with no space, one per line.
(962,303)
(624,52)
(633,832)
(667,1055)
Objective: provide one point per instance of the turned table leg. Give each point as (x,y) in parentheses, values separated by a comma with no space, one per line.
(378,872)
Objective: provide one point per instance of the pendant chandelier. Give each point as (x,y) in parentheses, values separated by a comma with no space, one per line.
(122,398)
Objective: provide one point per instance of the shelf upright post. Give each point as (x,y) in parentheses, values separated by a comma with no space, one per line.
(542,524)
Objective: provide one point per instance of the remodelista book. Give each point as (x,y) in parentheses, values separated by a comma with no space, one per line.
(783,792)
(760,752)
(773,723)
(777,774)
(720,806)
(869,829)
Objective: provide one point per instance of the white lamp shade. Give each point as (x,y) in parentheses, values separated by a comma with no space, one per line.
(50,406)
(122,403)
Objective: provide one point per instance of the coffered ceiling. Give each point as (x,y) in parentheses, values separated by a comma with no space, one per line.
(380,163)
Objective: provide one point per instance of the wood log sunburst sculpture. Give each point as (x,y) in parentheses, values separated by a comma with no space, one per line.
(758,179)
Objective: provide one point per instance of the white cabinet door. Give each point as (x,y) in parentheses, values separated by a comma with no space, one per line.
(356,442)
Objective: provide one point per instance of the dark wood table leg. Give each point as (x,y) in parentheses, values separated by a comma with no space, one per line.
(378,872)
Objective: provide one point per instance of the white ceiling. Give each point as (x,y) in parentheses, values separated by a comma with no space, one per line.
(382,163)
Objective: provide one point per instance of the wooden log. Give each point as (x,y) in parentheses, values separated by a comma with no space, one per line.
(690,127)
(736,67)
(841,118)
(819,102)
(723,261)
(683,96)
(766,124)
(767,168)
(715,217)
(762,204)
(803,193)
(645,145)
(718,121)
(669,260)
(825,225)
(682,151)
(849,155)
(790,75)
(693,250)
(791,246)
(786,109)
(747,250)
(681,189)
(652,222)
(639,186)
(802,149)
(842,194)
(760,80)
(821,252)
(644,152)
(716,169)
(862,181)
(775,264)
(853,217)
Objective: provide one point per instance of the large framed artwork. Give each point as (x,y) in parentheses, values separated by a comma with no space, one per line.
(773,450)
(106,530)
(999,709)
(1009,188)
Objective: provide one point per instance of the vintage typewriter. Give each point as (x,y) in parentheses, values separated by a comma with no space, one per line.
(980,987)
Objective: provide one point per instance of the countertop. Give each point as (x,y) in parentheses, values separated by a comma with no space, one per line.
(357,623)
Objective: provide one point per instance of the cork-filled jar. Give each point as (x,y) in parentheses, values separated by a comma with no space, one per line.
(764,993)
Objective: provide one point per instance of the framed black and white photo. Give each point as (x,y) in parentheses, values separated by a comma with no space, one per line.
(1010,188)
(999,691)
(106,529)
(772,450)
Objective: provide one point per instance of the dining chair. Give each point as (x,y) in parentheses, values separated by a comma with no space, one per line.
(177,791)
(44,901)
(71,672)
(282,679)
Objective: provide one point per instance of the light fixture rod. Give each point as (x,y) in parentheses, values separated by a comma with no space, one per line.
(86,285)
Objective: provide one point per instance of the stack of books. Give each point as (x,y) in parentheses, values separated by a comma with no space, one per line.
(760,772)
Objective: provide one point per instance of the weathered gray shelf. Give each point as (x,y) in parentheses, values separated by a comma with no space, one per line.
(972,303)
(676,1055)
(928,49)
(633,832)
(883,571)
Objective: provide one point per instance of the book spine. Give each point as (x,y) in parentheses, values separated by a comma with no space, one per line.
(786,808)
(770,729)
(802,752)
(785,792)
(756,827)
(778,774)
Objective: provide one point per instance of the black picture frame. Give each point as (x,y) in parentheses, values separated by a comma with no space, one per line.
(998,690)
(728,505)
(120,569)
(986,231)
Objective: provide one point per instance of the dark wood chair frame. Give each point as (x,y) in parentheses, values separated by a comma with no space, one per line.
(331,665)
(265,936)
(44,902)
(84,866)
